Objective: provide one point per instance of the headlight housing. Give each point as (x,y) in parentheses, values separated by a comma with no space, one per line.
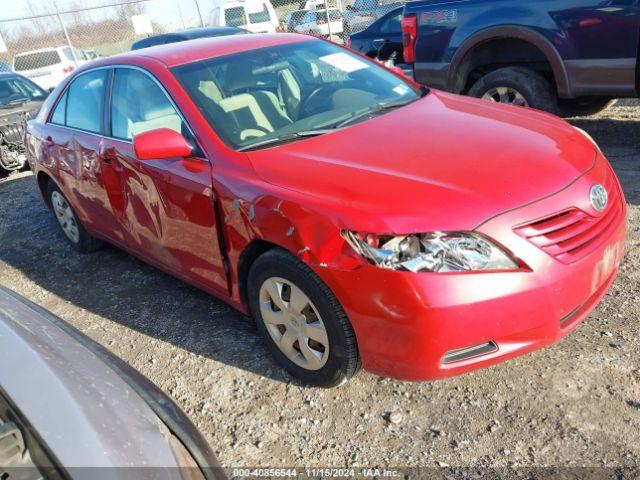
(431,252)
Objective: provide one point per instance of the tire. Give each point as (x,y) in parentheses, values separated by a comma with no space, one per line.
(585,106)
(332,364)
(535,90)
(81,241)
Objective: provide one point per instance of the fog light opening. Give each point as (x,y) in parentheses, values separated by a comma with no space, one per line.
(466,353)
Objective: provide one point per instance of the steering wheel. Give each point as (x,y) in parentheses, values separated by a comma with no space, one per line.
(316,100)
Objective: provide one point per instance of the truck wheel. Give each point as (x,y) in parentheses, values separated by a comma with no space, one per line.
(583,107)
(516,86)
(302,322)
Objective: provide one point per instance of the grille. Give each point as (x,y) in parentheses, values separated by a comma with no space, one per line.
(573,234)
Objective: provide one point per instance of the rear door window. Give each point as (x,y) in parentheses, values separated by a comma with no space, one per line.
(234,17)
(33,61)
(84,102)
(260,17)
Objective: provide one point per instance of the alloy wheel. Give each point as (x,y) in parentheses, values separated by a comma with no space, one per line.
(294,324)
(65,216)
(507,95)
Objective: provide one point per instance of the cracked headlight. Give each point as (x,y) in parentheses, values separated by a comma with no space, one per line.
(431,252)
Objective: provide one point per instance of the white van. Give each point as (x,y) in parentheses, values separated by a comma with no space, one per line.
(315,23)
(47,67)
(257,16)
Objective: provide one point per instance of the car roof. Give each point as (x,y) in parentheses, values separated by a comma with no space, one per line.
(180,53)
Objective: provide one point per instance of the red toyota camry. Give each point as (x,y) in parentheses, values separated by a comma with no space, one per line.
(360,218)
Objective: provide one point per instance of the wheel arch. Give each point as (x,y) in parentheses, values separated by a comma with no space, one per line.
(462,65)
(249,255)
(43,180)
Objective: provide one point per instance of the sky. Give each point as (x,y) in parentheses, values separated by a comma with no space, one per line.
(172,13)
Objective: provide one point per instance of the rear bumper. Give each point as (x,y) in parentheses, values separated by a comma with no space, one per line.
(406,323)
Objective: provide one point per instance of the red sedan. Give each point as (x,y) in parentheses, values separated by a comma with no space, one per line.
(360,218)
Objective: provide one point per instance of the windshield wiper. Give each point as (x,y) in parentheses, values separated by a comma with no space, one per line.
(376,109)
(284,138)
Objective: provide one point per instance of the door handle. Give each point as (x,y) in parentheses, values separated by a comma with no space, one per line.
(108,155)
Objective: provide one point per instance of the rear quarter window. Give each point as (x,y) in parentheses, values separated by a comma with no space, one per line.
(33,61)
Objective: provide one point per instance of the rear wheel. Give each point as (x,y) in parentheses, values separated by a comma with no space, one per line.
(73,230)
(516,86)
(304,325)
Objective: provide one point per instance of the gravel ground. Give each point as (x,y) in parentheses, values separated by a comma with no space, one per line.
(576,403)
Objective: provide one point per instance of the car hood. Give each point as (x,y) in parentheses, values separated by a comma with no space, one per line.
(15,113)
(444,162)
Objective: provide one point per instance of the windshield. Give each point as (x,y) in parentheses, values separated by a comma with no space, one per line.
(253,96)
(16,90)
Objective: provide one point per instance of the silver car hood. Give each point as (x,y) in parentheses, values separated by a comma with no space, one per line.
(80,399)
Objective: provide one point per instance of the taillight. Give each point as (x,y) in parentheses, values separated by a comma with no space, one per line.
(348,42)
(278,29)
(409,35)
(68,69)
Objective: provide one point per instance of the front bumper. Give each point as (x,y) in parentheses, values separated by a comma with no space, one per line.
(406,323)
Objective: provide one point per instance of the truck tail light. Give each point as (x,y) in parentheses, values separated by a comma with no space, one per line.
(69,69)
(409,35)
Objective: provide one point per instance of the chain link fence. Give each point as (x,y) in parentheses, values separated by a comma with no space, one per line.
(52,38)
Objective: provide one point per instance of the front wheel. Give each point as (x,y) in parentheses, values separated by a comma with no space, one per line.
(516,86)
(304,325)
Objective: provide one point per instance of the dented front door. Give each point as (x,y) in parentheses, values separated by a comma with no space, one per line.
(165,206)
(167,214)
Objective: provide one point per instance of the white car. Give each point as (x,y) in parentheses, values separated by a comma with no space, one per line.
(256,16)
(315,23)
(320,4)
(47,67)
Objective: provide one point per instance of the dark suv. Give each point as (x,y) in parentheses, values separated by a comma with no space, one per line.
(562,56)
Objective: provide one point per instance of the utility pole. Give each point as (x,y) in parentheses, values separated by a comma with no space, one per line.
(66,33)
(200,13)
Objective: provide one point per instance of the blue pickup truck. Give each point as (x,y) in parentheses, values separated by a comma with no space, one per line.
(563,56)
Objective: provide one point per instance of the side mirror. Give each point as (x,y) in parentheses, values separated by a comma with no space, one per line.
(160,144)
